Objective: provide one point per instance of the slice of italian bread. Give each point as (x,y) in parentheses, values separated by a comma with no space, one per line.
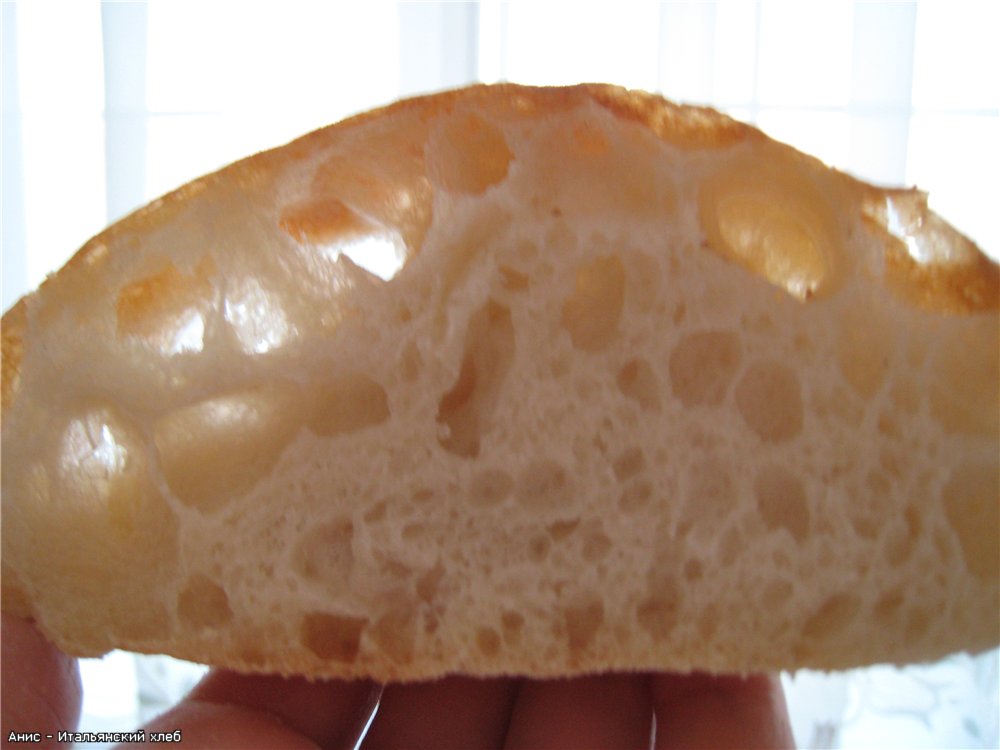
(511,380)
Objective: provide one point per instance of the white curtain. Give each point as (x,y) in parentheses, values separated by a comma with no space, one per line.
(107,105)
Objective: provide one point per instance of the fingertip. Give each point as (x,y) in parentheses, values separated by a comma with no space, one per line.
(41,688)
(207,726)
(712,711)
(329,713)
(608,710)
(454,711)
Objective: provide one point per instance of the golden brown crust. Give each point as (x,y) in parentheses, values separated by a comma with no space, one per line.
(927,262)
(685,126)
(970,287)
(12,333)
(960,288)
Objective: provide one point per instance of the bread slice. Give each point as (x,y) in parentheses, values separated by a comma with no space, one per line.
(646,389)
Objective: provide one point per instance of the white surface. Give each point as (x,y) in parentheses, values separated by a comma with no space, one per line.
(951,704)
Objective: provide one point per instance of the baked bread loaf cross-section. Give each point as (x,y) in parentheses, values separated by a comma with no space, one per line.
(511,380)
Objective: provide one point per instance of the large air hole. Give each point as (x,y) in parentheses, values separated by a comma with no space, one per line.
(468,154)
(887,608)
(217,450)
(488,642)
(333,637)
(927,262)
(864,348)
(629,463)
(429,583)
(256,316)
(325,555)
(970,504)
(346,403)
(711,496)
(512,624)
(544,484)
(395,632)
(658,614)
(637,381)
(903,539)
(168,308)
(596,544)
(964,397)
(559,530)
(102,490)
(635,496)
(333,229)
(490,487)
(95,451)
(772,221)
(834,616)
(592,312)
(770,399)
(378,254)
(781,501)
(538,547)
(583,620)
(466,409)
(203,604)
(702,366)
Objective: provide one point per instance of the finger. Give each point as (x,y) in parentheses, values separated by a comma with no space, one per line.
(708,711)
(41,689)
(606,711)
(449,713)
(211,726)
(227,709)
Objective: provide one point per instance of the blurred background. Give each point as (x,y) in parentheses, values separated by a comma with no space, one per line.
(106,106)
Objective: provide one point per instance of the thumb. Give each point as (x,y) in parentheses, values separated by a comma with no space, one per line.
(39,687)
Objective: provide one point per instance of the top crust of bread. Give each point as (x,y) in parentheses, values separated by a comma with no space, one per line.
(647,390)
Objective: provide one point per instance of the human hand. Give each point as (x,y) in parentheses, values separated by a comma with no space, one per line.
(41,693)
